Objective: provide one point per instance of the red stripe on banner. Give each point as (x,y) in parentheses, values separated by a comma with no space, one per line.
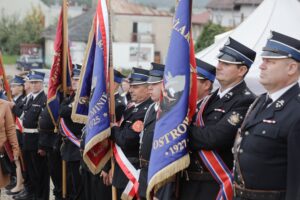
(193,86)
(103,28)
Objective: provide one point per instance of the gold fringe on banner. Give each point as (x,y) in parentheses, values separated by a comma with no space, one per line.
(164,175)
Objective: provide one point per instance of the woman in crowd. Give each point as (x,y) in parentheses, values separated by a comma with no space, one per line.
(7,133)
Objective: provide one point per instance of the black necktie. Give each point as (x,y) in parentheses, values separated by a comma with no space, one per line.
(267,102)
(30,100)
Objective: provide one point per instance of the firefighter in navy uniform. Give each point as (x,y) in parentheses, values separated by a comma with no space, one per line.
(69,151)
(127,134)
(189,183)
(266,149)
(51,142)
(34,155)
(223,113)
(18,93)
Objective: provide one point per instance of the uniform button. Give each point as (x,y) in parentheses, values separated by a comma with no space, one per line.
(247,133)
(264,132)
(241,150)
(215,117)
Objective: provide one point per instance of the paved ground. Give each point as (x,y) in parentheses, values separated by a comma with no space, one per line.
(3,195)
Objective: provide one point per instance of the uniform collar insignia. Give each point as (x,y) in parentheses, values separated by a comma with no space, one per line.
(135,109)
(279,103)
(247,92)
(228,95)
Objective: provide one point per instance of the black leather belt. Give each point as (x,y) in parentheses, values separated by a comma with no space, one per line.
(258,194)
(198,176)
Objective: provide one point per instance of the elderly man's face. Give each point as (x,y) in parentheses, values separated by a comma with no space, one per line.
(274,73)
(139,93)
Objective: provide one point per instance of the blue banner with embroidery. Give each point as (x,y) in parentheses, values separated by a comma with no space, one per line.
(169,149)
(92,105)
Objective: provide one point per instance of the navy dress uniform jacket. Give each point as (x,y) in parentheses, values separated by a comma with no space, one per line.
(270,146)
(32,113)
(48,139)
(128,140)
(145,148)
(69,151)
(222,118)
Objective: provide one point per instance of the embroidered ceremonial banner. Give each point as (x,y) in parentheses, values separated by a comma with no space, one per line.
(91,100)
(169,149)
(57,75)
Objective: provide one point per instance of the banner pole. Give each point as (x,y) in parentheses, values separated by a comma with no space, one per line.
(64,84)
(111,89)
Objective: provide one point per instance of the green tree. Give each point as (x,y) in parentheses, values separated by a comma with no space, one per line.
(208,35)
(14,32)
(9,39)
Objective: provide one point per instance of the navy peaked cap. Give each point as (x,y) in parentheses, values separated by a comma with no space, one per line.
(205,70)
(36,76)
(118,76)
(138,76)
(156,73)
(236,53)
(282,46)
(17,80)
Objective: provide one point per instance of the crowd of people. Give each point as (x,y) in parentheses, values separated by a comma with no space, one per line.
(255,138)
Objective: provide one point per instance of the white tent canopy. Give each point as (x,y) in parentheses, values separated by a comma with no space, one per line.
(279,15)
